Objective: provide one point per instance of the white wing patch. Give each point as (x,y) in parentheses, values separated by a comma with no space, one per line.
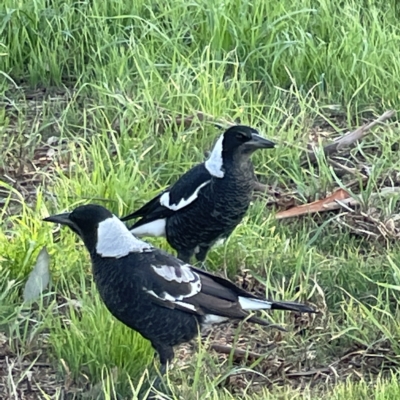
(153,228)
(115,240)
(170,273)
(187,305)
(185,276)
(166,297)
(165,200)
(214,163)
(254,304)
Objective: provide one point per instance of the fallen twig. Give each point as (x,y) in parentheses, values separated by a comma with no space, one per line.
(307,373)
(238,354)
(348,139)
(351,171)
(260,187)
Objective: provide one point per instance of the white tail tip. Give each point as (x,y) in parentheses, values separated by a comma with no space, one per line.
(254,304)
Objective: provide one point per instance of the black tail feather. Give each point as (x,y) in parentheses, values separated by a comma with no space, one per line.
(292,306)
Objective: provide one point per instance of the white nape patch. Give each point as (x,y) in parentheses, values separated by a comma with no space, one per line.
(154,228)
(115,240)
(165,200)
(254,304)
(215,162)
(213,319)
(170,273)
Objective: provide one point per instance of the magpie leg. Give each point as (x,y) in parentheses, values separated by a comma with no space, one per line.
(201,256)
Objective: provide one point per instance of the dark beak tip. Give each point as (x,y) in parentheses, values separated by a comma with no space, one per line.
(58,219)
(261,142)
(271,145)
(267,144)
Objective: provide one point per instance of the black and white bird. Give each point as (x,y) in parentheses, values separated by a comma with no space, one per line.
(207,203)
(155,293)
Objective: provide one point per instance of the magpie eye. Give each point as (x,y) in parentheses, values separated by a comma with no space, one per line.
(240,136)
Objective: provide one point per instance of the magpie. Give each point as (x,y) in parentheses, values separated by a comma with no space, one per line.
(206,204)
(154,293)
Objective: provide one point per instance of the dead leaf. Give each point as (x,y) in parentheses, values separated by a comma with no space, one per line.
(329,203)
(39,277)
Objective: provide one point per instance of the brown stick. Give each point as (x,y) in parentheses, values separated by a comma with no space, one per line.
(260,187)
(348,139)
(307,373)
(238,354)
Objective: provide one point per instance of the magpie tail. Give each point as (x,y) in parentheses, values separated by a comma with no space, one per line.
(128,217)
(292,306)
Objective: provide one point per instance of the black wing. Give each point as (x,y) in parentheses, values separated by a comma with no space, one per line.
(183,193)
(169,281)
(149,207)
(174,284)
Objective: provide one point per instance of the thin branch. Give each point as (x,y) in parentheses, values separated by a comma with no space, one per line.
(348,139)
(352,171)
(260,187)
(308,373)
(238,354)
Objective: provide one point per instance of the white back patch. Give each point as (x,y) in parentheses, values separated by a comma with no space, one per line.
(153,228)
(215,162)
(165,200)
(254,304)
(115,240)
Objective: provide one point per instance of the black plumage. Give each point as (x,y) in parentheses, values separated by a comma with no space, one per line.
(207,203)
(153,292)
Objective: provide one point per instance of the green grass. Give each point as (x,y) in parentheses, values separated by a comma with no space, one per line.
(114,82)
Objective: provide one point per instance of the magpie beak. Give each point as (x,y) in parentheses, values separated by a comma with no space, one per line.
(62,219)
(258,142)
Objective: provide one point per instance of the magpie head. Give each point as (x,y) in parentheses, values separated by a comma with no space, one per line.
(84,220)
(100,230)
(244,139)
(239,141)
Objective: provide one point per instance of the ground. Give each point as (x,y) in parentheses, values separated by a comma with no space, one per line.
(111,102)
